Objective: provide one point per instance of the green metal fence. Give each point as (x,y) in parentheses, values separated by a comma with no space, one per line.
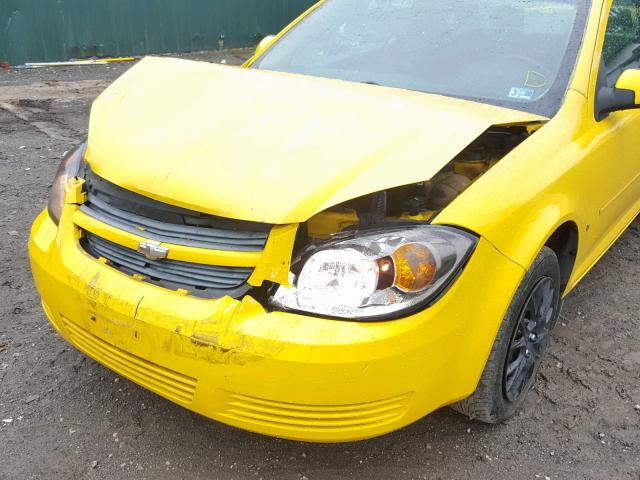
(54,30)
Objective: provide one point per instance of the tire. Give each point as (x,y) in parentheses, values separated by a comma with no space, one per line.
(496,398)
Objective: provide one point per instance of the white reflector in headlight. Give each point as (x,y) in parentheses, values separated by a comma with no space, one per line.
(345,276)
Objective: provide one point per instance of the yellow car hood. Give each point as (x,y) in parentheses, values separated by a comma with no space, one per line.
(271,147)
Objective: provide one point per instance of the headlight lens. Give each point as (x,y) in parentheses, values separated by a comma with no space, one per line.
(346,276)
(69,167)
(377,275)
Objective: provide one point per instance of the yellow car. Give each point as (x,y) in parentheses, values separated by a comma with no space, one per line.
(377,216)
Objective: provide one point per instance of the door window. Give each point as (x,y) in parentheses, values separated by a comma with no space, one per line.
(622,40)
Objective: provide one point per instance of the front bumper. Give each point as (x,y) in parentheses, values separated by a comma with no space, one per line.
(279,374)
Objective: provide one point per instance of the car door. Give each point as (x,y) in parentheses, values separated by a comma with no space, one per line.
(614,192)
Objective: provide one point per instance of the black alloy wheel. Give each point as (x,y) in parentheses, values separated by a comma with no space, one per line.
(529,338)
(520,344)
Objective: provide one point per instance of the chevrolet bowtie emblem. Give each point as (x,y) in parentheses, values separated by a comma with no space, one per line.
(153,250)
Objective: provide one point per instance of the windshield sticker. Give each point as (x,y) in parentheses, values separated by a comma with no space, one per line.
(521,93)
(535,79)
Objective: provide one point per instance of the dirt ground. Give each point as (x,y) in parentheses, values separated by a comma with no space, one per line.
(64,416)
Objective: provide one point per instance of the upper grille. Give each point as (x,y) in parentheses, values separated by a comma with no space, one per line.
(210,281)
(161,222)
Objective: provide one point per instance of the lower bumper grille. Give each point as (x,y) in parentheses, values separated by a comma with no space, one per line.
(165,382)
(319,418)
(210,281)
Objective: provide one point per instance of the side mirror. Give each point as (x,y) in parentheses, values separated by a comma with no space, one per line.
(624,96)
(630,80)
(264,44)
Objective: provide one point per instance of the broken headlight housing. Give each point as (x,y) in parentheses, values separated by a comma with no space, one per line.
(69,168)
(376,275)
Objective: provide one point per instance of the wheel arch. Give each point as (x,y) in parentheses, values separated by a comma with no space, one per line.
(564,242)
(562,235)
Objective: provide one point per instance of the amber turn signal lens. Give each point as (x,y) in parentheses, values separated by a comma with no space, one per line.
(415,267)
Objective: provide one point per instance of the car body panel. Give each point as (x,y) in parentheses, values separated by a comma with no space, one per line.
(273,372)
(166,121)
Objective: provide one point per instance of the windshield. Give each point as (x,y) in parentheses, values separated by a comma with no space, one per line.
(514,53)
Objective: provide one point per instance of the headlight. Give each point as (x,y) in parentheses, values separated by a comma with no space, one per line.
(69,167)
(377,275)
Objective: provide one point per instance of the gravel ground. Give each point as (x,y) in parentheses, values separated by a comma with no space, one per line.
(64,416)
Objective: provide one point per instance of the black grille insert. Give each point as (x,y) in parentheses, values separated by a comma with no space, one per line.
(166,223)
(201,280)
